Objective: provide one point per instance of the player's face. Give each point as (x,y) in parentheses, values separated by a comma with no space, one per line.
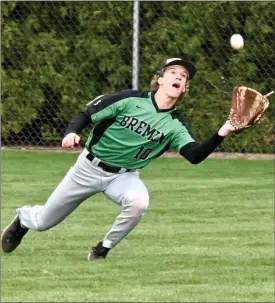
(173,81)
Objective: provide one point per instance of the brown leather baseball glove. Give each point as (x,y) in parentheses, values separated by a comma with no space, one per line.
(247,107)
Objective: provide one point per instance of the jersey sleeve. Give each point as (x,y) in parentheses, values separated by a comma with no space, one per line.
(182,132)
(181,138)
(107,106)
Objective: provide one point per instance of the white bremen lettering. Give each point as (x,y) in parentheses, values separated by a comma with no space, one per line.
(95,99)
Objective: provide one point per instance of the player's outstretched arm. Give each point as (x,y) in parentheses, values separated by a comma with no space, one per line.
(196,152)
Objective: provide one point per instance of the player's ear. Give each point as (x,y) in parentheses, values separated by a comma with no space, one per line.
(186,87)
(160,80)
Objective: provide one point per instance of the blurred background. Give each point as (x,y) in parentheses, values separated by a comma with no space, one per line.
(58,55)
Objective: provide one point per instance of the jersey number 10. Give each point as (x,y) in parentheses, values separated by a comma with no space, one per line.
(143,153)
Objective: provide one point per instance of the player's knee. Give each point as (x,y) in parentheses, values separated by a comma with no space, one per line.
(138,204)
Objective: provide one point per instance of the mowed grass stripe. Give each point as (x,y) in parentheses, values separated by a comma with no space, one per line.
(206,237)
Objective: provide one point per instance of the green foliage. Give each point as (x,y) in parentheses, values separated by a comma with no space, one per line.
(200,32)
(56,56)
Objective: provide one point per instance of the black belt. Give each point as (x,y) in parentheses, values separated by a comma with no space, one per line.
(106,167)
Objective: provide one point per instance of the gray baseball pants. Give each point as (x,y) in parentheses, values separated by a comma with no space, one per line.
(82,181)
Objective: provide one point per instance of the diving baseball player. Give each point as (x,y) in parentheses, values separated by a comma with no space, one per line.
(129,129)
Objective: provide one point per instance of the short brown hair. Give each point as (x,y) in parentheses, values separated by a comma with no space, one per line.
(155,85)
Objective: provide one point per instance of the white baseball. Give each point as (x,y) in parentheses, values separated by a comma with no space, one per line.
(236,41)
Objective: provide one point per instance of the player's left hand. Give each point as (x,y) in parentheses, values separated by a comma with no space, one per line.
(229,126)
(226,129)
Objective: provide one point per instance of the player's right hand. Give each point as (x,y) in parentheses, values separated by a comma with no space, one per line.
(70,140)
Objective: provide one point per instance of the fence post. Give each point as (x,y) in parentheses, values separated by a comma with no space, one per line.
(135,56)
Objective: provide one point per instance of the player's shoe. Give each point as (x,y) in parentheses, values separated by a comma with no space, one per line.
(13,235)
(98,252)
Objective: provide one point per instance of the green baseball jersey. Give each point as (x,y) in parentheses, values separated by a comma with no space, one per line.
(130,130)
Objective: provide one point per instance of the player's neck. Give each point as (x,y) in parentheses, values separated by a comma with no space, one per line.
(163,101)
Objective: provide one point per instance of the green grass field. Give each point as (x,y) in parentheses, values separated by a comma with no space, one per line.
(208,235)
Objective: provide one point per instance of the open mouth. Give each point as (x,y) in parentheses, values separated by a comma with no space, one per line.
(176,85)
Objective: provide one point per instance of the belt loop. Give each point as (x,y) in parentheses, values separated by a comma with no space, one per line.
(85,151)
(96,161)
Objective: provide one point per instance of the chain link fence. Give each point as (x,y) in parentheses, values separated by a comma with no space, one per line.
(59,55)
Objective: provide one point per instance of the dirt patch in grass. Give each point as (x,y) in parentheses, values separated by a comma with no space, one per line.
(247,156)
(232,156)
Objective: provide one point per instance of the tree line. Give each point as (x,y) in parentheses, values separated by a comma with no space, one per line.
(59,55)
